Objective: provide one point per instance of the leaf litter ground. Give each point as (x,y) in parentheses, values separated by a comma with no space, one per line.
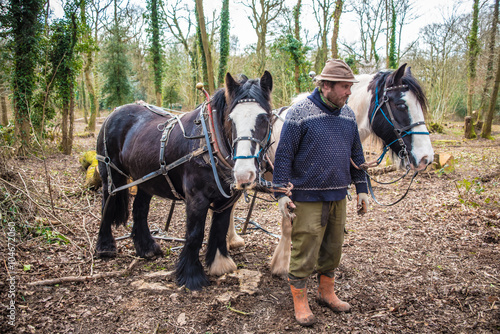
(430,264)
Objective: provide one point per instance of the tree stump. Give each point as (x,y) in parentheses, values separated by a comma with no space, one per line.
(469,132)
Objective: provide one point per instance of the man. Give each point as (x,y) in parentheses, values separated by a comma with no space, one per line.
(318,141)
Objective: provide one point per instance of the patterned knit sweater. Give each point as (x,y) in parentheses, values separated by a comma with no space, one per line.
(314,151)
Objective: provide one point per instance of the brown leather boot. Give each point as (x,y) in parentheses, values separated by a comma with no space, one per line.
(303,313)
(326,295)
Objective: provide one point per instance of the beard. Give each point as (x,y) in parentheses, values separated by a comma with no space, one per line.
(338,100)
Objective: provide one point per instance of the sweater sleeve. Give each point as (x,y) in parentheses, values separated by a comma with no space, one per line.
(358,176)
(287,148)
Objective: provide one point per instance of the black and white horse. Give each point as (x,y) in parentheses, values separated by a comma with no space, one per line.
(171,157)
(390,105)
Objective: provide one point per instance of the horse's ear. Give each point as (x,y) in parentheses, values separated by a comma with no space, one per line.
(243,78)
(231,86)
(397,75)
(266,82)
(408,71)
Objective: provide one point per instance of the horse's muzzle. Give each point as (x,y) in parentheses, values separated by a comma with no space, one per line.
(244,180)
(423,163)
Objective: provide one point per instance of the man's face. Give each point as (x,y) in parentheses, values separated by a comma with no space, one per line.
(339,93)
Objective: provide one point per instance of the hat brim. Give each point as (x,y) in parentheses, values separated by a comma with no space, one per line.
(335,78)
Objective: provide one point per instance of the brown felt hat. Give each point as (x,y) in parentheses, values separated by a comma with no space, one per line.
(336,70)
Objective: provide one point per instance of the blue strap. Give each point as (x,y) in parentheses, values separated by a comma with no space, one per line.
(386,147)
(257,156)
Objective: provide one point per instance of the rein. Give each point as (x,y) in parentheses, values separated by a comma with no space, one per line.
(209,148)
(363,168)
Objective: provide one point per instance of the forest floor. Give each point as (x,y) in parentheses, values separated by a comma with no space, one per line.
(430,264)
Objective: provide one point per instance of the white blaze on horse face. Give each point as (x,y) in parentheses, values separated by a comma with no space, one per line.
(421,147)
(244,117)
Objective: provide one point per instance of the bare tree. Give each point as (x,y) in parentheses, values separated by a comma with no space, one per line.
(403,13)
(323,13)
(264,12)
(439,65)
(178,16)
(97,12)
(371,16)
(90,24)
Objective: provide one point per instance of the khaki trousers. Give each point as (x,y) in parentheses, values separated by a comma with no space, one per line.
(314,244)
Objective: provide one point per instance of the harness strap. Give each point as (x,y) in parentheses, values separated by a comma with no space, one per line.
(211,155)
(169,125)
(107,161)
(160,171)
(277,113)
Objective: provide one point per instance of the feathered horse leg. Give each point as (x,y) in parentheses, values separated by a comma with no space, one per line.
(234,241)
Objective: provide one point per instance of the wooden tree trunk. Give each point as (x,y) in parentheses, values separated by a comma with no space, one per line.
(71,123)
(90,88)
(469,128)
(472,57)
(336,26)
(64,126)
(490,65)
(68,120)
(486,131)
(206,46)
(296,15)
(3,105)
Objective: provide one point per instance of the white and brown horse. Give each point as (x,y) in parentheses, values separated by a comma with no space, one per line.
(389,105)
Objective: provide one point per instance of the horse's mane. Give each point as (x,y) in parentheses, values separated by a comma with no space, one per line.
(379,80)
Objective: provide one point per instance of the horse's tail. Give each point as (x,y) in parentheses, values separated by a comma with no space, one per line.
(115,207)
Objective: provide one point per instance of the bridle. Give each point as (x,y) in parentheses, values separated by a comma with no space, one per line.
(212,128)
(400,132)
(264,144)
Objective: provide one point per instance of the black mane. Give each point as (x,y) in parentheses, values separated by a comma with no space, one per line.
(380,79)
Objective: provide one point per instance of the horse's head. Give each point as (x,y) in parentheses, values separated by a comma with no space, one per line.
(247,122)
(397,114)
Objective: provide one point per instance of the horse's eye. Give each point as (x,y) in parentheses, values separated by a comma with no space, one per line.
(402,106)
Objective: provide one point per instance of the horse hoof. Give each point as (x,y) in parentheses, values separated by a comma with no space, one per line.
(106,253)
(221,265)
(236,243)
(150,252)
(193,283)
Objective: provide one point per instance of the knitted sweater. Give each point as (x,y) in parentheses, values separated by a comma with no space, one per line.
(314,151)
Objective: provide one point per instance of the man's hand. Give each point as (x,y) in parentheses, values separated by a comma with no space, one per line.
(362,203)
(286,207)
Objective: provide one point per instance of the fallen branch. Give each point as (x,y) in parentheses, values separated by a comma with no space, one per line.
(72,279)
(237,311)
(383,170)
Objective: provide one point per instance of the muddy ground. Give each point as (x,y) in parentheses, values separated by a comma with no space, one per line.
(430,264)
